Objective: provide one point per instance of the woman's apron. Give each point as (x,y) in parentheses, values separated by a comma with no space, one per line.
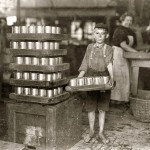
(121,75)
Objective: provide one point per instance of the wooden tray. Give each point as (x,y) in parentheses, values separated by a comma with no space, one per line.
(39,68)
(37,37)
(136,55)
(38,99)
(36,83)
(37,53)
(89,88)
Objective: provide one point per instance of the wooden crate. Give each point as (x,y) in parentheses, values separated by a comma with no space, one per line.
(56,127)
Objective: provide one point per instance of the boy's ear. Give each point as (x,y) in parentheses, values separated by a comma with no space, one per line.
(107,36)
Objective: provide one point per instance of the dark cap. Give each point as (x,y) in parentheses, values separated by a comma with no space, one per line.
(101,25)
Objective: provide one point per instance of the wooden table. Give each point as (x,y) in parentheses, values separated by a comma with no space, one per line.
(138,59)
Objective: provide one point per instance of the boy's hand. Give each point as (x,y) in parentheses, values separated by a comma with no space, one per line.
(111,82)
(81,74)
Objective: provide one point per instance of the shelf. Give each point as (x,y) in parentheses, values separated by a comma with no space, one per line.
(39,68)
(35,83)
(37,53)
(37,37)
(38,99)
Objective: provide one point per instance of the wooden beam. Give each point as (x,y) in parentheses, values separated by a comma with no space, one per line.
(141,63)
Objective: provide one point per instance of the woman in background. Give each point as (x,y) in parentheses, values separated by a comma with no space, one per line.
(123,40)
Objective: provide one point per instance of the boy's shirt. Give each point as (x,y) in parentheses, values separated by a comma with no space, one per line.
(94,58)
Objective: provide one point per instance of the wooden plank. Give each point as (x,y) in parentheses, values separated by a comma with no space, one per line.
(137,55)
(36,53)
(140,63)
(38,99)
(144,94)
(39,68)
(37,37)
(36,83)
(134,80)
(5,145)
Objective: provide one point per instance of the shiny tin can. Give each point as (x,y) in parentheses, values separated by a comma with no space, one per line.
(35,61)
(97,80)
(50,93)
(48,29)
(38,45)
(31,29)
(49,77)
(51,61)
(58,30)
(73,82)
(26,75)
(46,45)
(59,75)
(18,75)
(19,60)
(15,45)
(55,92)
(53,30)
(34,92)
(41,77)
(19,90)
(42,92)
(30,45)
(26,91)
(60,90)
(23,29)
(39,29)
(89,81)
(27,60)
(23,45)
(16,29)
(106,79)
(44,61)
(60,60)
(80,81)
(34,76)
(52,45)
(54,76)
(56,45)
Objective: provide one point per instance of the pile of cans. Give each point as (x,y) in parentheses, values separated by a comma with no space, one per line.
(39,92)
(38,76)
(35,45)
(87,81)
(36,29)
(39,61)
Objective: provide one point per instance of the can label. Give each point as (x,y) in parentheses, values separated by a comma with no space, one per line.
(30,45)
(42,92)
(35,61)
(31,29)
(24,29)
(89,81)
(34,76)
(27,91)
(81,82)
(27,60)
(58,30)
(15,45)
(51,61)
(59,75)
(54,76)
(73,82)
(38,45)
(44,61)
(50,93)
(16,29)
(26,76)
(48,29)
(19,60)
(56,45)
(97,80)
(55,92)
(41,77)
(46,45)
(53,30)
(19,90)
(39,29)
(34,91)
(60,90)
(23,45)
(18,75)
(49,77)
(52,45)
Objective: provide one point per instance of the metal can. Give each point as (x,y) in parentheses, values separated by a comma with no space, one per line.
(23,29)
(97,80)
(26,91)
(53,30)
(30,45)
(15,45)
(18,75)
(38,45)
(60,90)
(26,75)
(19,90)
(89,81)
(59,60)
(55,92)
(48,29)
(42,92)
(50,93)
(19,60)
(106,79)
(23,45)
(27,60)
(35,61)
(46,45)
(58,30)
(73,82)
(56,45)
(54,77)
(34,92)
(56,61)
(44,61)
(80,81)
(51,61)
(59,75)
(41,77)
(16,29)
(31,29)
(52,45)
(49,77)
(34,76)
(39,29)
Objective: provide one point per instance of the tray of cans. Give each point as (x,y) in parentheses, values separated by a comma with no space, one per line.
(90,83)
(30,33)
(39,95)
(38,79)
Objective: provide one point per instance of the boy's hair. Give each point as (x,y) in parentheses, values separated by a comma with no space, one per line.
(101,26)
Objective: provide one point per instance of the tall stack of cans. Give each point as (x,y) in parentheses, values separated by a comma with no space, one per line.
(49,45)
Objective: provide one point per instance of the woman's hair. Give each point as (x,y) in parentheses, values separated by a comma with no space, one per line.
(122,18)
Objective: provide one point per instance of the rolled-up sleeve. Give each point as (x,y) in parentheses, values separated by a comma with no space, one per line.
(109,55)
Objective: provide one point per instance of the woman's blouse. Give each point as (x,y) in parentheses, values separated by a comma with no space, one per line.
(121,34)
(94,58)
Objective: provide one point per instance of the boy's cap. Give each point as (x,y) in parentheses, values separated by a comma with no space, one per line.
(101,25)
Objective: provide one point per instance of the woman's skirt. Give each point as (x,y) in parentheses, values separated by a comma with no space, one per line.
(121,76)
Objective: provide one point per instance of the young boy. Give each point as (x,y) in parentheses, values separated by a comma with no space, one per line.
(97,62)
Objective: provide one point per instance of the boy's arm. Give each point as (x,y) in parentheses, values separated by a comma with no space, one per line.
(110,70)
(81,74)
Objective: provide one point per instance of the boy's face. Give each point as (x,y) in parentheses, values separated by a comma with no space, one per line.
(100,35)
